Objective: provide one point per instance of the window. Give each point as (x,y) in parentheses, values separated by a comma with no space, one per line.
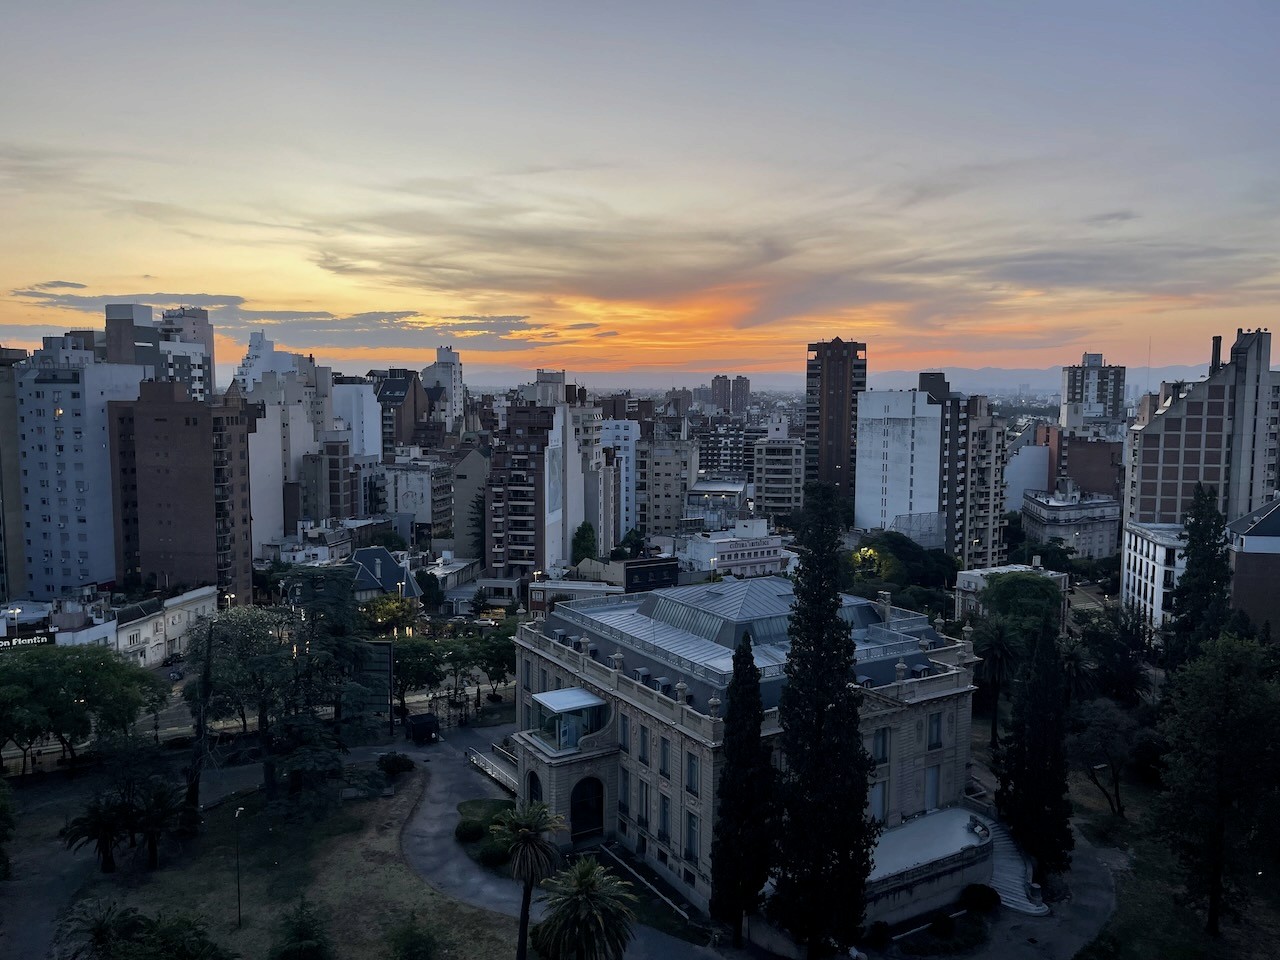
(624,733)
(642,809)
(542,677)
(935,731)
(664,757)
(692,773)
(691,844)
(528,665)
(664,817)
(644,744)
(880,745)
(876,800)
(624,789)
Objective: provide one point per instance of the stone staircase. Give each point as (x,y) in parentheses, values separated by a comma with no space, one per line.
(1011,872)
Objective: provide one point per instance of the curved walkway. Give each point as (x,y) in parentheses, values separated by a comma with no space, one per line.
(428,844)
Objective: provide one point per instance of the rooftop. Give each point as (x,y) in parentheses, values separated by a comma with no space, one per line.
(695,628)
(922,840)
(1263,522)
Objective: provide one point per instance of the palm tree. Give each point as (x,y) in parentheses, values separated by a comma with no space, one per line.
(95,927)
(995,642)
(1077,667)
(525,831)
(156,809)
(588,915)
(104,824)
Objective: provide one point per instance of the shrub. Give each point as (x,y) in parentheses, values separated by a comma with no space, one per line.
(494,853)
(394,764)
(979,898)
(469,831)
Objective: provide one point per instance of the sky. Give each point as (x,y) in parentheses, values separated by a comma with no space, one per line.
(648,189)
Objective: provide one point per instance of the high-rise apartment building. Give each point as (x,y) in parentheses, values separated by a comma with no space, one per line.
(835,376)
(13,578)
(181,489)
(931,466)
(665,470)
(779,476)
(63,441)
(722,393)
(175,349)
(446,373)
(1219,432)
(740,396)
(621,436)
(1092,397)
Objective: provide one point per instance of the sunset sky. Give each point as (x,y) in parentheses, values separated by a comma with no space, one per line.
(666,188)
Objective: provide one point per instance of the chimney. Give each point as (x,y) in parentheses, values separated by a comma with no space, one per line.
(1215,364)
(886,606)
(377,570)
(900,670)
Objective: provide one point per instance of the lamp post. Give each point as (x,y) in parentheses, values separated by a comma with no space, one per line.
(15,611)
(239,918)
(231,599)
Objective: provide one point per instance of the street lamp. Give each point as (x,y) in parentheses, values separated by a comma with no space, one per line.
(231,599)
(239,918)
(15,611)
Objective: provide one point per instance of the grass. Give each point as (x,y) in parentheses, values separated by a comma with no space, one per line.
(1152,918)
(348,864)
(966,933)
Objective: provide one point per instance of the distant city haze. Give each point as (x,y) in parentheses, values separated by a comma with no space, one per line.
(649,194)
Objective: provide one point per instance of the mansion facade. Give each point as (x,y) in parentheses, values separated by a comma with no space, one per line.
(621,704)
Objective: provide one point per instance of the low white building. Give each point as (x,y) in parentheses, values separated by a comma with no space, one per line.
(1087,523)
(1150,565)
(748,550)
(971,583)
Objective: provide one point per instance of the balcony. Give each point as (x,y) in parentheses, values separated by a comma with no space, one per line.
(562,718)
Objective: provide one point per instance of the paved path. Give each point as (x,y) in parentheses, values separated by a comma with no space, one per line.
(429,847)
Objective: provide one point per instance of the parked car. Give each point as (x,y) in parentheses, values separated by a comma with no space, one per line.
(176,674)
(485,622)
(458,619)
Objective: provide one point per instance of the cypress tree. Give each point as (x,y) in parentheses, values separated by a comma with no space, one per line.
(1033,763)
(741,845)
(1201,603)
(826,834)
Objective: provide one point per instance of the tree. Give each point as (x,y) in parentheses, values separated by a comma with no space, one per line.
(1201,599)
(432,592)
(1221,767)
(1099,746)
(1025,598)
(1077,670)
(584,543)
(153,813)
(633,543)
(742,839)
(302,935)
(459,655)
(8,822)
(1117,641)
(390,615)
(526,833)
(479,600)
(476,523)
(1032,765)
(104,824)
(417,667)
(589,916)
(1001,651)
(495,656)
(103,930)
(820,874)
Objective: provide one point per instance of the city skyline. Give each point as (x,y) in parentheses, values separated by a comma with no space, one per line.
(663,191)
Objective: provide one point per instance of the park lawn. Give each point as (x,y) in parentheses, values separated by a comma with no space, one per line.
(349,865)
(1150,919)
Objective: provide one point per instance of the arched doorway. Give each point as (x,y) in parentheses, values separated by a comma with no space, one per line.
(533,788)
(586,809)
